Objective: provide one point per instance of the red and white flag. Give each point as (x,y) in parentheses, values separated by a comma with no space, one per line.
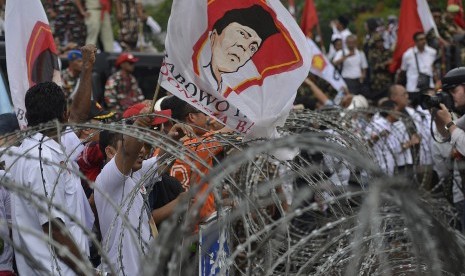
(240,61)
(31,55)
(415,16)
(309,17)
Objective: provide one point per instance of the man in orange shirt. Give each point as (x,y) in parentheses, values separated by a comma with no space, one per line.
(204,151)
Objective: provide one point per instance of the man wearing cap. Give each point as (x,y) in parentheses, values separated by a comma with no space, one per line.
(121,89)
(454,130)
(456,11)
(70,75)
(120,190)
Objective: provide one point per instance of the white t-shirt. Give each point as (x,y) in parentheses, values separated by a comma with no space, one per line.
(125,242)
(425,65)
(353,65)
(62,186)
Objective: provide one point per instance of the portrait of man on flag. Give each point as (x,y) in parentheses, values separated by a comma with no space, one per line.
(234,52)
(236,37)
(240,61)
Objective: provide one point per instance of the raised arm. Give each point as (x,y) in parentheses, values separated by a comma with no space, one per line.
(80,106)
(319,95)
(128,153)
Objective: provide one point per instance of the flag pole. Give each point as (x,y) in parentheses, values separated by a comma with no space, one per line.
(155,94)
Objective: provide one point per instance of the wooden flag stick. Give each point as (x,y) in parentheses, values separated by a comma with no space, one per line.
(155,95)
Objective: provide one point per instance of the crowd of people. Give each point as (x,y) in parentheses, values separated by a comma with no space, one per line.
(126,193)
(366,70)
(83,22)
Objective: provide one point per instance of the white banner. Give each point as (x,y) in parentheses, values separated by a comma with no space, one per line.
(324,69)
(239,61)
(31,54)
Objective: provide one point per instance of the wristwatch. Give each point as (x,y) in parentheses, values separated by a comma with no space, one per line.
(449,125)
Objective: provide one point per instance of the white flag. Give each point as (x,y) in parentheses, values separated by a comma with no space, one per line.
(239,61)
(324,69)
(31,55)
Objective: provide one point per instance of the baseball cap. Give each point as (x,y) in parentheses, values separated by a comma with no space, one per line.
(453,78)
(123,57)
(161,117)
(98,113)
(453,8)
(74,54)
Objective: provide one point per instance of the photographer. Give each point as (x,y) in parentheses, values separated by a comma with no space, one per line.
(454,83)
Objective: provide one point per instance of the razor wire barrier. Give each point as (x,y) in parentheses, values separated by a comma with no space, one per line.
(333,209)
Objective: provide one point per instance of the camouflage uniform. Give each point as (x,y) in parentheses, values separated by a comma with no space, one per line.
(69,24)
(129,27)
(381,78)
(122,92)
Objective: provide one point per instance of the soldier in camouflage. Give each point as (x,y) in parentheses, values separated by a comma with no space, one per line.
(121,89)
(126,14)
(379,59)
(69,21)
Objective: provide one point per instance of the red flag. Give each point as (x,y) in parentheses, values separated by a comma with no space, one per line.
(458,19)
(309,17)
(415,16)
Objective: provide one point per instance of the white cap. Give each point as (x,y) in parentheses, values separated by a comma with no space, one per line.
(158,103)
(358,101)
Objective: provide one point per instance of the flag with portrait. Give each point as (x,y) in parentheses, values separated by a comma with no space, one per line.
(239,61)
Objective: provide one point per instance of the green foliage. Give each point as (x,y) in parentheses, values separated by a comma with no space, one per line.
(358,11)
(161,13)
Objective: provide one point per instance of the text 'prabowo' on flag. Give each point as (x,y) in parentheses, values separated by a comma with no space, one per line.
(239,61)
(31,55)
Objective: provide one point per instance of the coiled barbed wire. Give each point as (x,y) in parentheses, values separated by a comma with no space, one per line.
(331,210)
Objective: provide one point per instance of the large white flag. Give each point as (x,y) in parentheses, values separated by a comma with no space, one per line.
(324,69)
(240,61)
(31,55)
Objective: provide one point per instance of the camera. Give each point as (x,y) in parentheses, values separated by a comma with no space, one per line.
(441,97)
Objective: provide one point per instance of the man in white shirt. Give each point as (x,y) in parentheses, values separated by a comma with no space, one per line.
(52,213)
(425,56)
(354,65)
(119,197)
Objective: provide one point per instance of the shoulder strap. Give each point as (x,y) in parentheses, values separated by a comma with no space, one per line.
(416,61)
